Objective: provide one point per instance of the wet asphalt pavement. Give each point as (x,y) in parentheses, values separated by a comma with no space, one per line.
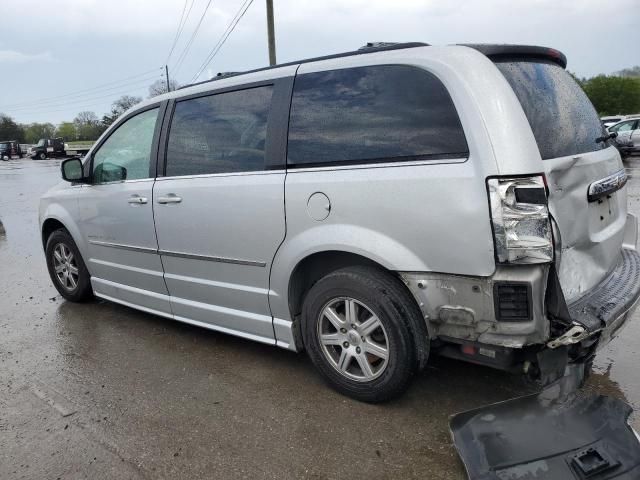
(102,391)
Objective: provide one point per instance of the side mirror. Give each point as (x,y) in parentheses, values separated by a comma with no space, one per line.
(72,170)
(109,172)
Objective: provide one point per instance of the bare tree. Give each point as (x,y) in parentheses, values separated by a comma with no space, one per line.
(87,126)
(160,86)
(118,107)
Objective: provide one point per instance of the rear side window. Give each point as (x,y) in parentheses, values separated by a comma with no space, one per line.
(375,113)
(219,133)
(561,116)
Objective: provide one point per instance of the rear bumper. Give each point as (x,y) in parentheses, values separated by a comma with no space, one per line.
(607,307)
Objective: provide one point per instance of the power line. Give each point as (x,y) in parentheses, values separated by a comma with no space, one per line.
(214,51)
(83,91)
(223,38)
(79,108)
(80,97)
(181,25)
(82,102)
(183,55)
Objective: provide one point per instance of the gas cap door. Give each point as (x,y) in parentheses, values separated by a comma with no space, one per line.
(318,206)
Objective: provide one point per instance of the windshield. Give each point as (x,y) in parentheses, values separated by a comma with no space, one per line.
(561,116)
(4,146)
(40,143)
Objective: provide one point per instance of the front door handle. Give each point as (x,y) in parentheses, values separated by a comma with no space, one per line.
(170,198)
(137,200)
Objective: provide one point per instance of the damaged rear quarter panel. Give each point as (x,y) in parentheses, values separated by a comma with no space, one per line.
(462,307)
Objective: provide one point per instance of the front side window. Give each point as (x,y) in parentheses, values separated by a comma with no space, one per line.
(220,133)
(373,113)
(126,154)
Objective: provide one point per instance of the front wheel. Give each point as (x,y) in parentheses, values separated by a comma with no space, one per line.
(66,267)
(42,155)
(358,326)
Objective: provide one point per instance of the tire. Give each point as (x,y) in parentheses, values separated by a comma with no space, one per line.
(365,292)
(42,156)
(61,251)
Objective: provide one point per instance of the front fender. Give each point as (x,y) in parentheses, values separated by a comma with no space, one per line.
(65,211)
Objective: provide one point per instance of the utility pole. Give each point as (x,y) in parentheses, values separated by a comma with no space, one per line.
(271,33)
(166,72)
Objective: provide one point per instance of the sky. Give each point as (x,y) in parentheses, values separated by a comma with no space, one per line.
(60,57)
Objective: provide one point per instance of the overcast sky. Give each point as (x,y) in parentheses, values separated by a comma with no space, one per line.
(83,54)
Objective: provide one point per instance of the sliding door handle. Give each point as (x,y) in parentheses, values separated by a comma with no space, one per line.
(170,198)
(137,200)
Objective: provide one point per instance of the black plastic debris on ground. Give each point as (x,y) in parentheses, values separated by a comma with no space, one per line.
(551,435)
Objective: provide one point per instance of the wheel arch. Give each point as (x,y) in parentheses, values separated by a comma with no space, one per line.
(49,226)
(313,267)
(54,217)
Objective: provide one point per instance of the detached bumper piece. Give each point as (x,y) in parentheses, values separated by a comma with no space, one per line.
(582,437)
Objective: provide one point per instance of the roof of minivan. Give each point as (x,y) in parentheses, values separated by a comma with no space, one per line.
(495,52)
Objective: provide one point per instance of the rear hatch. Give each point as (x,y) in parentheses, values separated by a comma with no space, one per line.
(566,128)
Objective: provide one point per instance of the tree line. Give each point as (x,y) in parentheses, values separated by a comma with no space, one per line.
(617,94)
(86,126)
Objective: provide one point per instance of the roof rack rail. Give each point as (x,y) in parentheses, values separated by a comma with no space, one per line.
(226,74)
(377,45)
(370,47)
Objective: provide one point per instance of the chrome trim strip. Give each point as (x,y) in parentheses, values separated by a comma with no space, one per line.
(144,271)
(209,258)
(169,253)
(607,185)
(364,165)
(222,175)
(132,248)
(215,284)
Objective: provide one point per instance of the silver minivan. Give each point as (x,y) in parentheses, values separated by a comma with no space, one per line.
(372,208)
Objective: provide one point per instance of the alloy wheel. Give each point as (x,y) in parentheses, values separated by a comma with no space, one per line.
(353,339)
(65,266)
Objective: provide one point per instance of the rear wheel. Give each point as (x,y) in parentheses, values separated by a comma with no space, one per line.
(66,267)
(357,329)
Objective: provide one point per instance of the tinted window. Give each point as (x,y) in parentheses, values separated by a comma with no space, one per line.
(219,133)
(126,154)
(372,113)
(561,116)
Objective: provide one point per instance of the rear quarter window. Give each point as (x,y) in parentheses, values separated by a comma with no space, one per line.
(563,120)
(374,113)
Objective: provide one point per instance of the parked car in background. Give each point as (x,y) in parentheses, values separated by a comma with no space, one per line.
(56,147)
(10,149)
(611,120)
(628,136)
(370,208)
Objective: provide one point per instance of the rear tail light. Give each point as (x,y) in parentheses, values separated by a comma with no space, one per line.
(520,217)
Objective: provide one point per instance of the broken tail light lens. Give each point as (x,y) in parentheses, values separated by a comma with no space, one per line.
(520,217)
